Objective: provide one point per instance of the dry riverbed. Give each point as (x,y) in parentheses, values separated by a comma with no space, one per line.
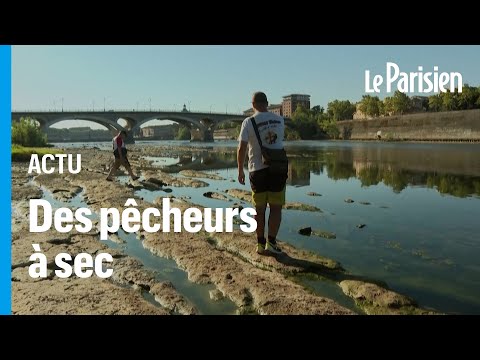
(254,283)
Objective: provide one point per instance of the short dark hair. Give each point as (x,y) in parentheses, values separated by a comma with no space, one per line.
(259,97)
(124,132)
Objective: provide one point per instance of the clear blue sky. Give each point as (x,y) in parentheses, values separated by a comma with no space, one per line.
(216,78)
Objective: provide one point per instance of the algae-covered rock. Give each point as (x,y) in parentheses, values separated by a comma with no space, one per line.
(324,234)
(240,194)
(215,195)
(200,174)
(301,206)
(375,300)
(216,295)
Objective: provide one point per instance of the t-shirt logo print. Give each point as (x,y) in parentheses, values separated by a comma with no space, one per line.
(271,137)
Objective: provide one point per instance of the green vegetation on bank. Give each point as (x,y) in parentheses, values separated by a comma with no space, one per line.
(317,123)
(21,153)
(400,103)
(28,139)
(27,132)
(182,133)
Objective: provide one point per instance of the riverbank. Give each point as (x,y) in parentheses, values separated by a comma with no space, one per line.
(253,283)
(458,126)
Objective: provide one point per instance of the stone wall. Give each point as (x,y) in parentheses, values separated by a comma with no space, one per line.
(441,126)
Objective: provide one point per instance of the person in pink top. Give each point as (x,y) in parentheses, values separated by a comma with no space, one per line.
(120,153)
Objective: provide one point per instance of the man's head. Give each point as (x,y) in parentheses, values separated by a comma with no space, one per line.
(259,101)
(123,134)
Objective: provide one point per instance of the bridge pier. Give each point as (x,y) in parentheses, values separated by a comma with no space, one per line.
(129,139)
(201,135)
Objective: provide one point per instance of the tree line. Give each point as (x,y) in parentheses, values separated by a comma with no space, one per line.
(26,132)
(316,123)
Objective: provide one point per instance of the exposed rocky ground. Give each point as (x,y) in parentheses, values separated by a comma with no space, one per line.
(254,283)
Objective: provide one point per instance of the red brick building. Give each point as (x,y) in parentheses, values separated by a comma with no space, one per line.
(287,107)
(291,102)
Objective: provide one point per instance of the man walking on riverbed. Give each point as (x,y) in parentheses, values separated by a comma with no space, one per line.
(120,153)
(267,188)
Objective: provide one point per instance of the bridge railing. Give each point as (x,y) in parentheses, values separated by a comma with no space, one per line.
(57,111)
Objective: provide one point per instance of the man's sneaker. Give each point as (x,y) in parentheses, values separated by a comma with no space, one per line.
(273,248)
(260,248)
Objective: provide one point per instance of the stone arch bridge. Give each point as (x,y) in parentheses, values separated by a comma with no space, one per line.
(201,125)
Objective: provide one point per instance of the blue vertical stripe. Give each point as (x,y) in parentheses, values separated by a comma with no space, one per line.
(5,180)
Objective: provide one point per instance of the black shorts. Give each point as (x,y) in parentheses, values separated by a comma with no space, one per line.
(117,155)
(262,180)
(124,153)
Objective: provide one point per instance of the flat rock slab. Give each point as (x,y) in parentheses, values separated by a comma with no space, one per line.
(75,296)
(247,196)
(324,234)
(240,194)
(200,174)
(160,177)
(253,282)
(374,299)
(301,206)
(53,295)
(215,195)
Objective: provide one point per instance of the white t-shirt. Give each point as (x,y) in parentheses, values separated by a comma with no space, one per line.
(271,128)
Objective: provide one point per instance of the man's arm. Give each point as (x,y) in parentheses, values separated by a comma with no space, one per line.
(241,151)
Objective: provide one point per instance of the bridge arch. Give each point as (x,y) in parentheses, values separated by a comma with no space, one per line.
(183,120)
(238,120)
(197,129)
(109,124)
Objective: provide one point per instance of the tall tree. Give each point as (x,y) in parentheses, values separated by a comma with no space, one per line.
(304,122)
(388,106)
(317,110)
(27,132)
(449,101)
(341,110)
(370,105)
(401,103)
(468,97)
(435,103)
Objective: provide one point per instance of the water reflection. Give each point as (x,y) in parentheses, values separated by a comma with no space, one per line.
(420,243)
(453,169)
(298,173)
(202,160)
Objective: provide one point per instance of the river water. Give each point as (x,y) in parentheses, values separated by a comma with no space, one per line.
(420,203)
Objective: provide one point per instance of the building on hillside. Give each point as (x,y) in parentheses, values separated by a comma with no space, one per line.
(276,109)
(249,112)
(78,134)
(161,132)
(359,115)
(292,101)
(419,104)
(287,107)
